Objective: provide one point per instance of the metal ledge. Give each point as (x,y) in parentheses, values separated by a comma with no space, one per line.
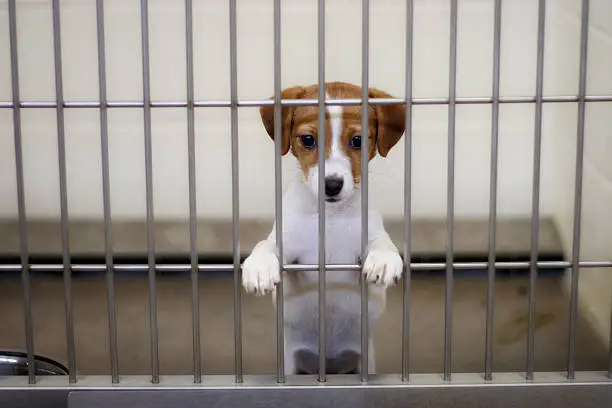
(589,389)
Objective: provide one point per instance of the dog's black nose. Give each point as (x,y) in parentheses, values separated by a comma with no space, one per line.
(333,186)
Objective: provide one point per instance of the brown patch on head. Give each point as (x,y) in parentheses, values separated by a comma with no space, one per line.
(386,124)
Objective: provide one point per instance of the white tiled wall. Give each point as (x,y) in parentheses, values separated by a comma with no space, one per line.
(299,59)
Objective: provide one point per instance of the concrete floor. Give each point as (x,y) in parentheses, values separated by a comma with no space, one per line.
(175,337)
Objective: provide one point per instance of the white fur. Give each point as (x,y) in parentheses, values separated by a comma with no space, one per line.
(382,266)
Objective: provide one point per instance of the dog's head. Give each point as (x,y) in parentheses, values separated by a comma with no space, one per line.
(343,135)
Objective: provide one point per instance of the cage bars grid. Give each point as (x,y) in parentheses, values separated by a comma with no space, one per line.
(68,268)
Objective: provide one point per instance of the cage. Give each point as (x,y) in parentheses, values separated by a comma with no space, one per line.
(137,176)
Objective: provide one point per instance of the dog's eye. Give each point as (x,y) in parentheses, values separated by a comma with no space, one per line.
(355,142)
(308,141)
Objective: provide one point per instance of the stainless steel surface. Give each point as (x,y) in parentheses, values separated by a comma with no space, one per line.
(63,187)
(278,194)
(16,363)
(577,227)
(23,233)
(233,33)
(321,201)
(407,195)
(365,153)
(146,94)
(535,194)
(450,196)
(106,200)
(193,216)
(493,191)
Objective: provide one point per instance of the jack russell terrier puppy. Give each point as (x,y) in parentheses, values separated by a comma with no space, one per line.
(383,265)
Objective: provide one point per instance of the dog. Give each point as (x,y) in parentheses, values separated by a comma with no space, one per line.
(383,265)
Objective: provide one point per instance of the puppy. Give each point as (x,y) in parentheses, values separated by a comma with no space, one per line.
(383,265)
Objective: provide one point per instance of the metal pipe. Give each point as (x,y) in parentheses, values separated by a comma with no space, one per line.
(235,194)
(193,226)
(278,197)
(21,208)
(493,192)
(61,147)
(584,42)
(321,201)
(106,201)
(535,195)
(146,91)
(450,200)
(365,94)
(407,195)
(415,266)
(314,102)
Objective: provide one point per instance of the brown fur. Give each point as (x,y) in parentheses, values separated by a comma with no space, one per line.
(386,124)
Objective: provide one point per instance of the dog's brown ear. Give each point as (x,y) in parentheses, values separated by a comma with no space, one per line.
(267,116)
(390,122)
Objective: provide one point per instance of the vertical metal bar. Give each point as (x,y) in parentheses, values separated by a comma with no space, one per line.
(493,192)
(407,195)
(23,233)
(535,201)
(278,197)
(108,241)
(610,351)
(448,317)
(193,226)
(584,37)
(235,193)
(321,201)
(365,73)
(146,92)
(61,142)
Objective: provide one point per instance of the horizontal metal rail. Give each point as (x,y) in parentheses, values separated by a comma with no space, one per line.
(306,102)
(415,266)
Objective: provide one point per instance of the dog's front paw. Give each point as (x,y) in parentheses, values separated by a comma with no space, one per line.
(260,272)
(383,266)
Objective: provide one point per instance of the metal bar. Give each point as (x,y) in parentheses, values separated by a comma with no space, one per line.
(535,195)
(493,192)
(584,43)
(23,233)
(415,266)
(365,94)
(321,202)
(407,195)
(450,200)
(146,92)
(278,197)
(106,201)
(193,226)
(235,194)
(61,147)
(314,102)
